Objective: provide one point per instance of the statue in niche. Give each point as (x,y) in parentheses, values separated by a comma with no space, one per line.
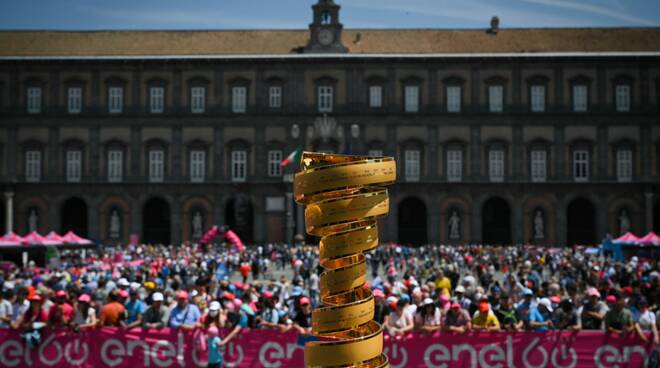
(624,222)
(454,226)
(33,220)
(197,225)
(539,225)
(115,225)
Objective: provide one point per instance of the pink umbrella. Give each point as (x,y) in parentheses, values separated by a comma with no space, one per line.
(11,239)
(627,238)
(54,238)
(650,239)
(71,238)
(34,238)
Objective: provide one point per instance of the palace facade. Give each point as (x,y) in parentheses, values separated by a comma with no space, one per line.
(545,136)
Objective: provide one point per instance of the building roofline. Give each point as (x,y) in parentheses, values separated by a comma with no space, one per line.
(616,54)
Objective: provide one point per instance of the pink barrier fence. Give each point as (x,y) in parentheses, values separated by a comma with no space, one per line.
(263,348)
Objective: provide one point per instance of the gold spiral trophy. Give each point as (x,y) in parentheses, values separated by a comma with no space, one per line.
(345,195)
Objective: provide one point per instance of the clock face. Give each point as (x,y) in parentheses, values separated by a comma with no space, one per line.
(326,37)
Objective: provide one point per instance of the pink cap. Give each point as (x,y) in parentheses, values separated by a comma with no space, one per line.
(213,331)
(84,298)
(60,294)
(182,295)
(238,303)
(456,306)
(444,299)
(610,299)
(268,295)
(378,293)
(593,292)
(304,301)
(123,293)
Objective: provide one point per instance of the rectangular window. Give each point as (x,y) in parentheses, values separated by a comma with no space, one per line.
(238,99)
(238,166)
(33,166)
(156,166)
(156,100)
(274,159)
(197,100)
(73,166)
(325,98)
(375,96)
(580,98)
(275,97)
(581,165)
(538,166)
(115,166)
(496,98)
(74,100)
(624,165)
(34,100)
(411,98)
(623,98)
(375,153)
(496,165)
(454,165)
(538,98)
(197,166)
(412,165)
(454,99)
(115,100)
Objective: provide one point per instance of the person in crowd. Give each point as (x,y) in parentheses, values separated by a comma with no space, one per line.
(113,313)
(157,315)
(6,309)
(428,318)
(303,320)
(618,319)
(484,319)
(593,311)
(214,343)
(566,316)
(508,316)
(526,306)
(457,319)
(62,313)
(135,308)
(646,323)
(185,315)
(540,318)
(397,322)
(214,317)
(381,309)
(20,305)
(269,316)
(85,315)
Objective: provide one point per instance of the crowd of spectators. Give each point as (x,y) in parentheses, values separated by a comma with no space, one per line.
(429,289)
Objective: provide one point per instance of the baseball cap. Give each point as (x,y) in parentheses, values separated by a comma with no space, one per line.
(297,290)
(427,301)
(483,307)
(378,293)
(60,294)
(229,296)
(304,301)
(546,303)
(123,282)
(182,295)
(123,293)
(157,297)
(84,298)
(35,298)
(460,289)
(444,299)
(610,299)
(455,306)
(527,292)
(268,294)
(593,292)
(214,306)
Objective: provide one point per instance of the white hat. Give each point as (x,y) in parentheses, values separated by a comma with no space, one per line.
(546,303)
(135,285)
(123,282)
(214,306)
(157,297)
(427,301)
(460,289)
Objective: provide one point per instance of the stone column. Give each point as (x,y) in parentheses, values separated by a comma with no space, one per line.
(177,228)
(432,159)
(560,220)
(12,153)
(260,153)
(645,151)
(218,152)
(476,221)
(177,91)
(94,153)
(518,152)
(559,152)
(433,224)
(518,222)
(177,143)
(603,156)
(648,208)
(136,217)
(136,151)
(96,92)
(93,218)
(9,211)
(53,153)
(475,152)
(601,218)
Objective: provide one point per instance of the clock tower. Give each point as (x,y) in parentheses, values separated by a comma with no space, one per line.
(325,30)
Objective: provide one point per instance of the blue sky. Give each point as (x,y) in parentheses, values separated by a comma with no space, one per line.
(296,14)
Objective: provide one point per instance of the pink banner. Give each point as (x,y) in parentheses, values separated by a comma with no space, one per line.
(265,348)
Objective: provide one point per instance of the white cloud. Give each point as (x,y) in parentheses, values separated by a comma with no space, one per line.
(606,10)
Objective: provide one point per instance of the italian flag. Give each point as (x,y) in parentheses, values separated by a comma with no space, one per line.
(292,157)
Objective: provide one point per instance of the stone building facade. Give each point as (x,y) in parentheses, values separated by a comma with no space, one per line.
(502,135)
